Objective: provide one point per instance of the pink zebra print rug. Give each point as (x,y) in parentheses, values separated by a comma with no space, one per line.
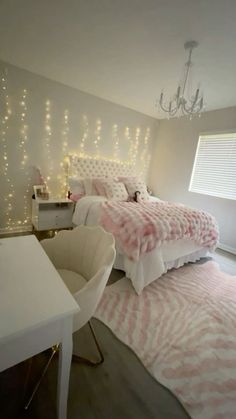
(183,329)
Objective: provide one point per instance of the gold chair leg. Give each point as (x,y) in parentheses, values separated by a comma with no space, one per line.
(80,359)
(54,350)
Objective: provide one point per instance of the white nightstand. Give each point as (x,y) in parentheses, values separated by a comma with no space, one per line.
(52,214)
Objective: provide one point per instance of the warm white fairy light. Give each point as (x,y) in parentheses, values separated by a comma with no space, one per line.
(24,128)
(129,140)
(131,147)
(62,180)
(75,155)
(133,152)
(23,137)
(47,144)
(127,133)
(23,146)
(115,139)
(85,135)
(10,192)
(136,145)
(65,132)
(145,155)
(147,136)
(97,139)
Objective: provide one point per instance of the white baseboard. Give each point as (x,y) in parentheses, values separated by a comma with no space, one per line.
(229,249)
(14,230)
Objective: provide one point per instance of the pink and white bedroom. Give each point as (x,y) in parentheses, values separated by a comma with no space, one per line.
(117,209)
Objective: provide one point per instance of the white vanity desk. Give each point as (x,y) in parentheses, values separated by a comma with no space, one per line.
(36,309)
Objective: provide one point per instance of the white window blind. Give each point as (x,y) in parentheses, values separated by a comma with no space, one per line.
(214,169)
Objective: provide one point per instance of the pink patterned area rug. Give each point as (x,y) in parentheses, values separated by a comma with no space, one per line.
(183,329)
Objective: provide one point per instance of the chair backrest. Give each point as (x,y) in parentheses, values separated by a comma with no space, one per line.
(90,252)
(82,250)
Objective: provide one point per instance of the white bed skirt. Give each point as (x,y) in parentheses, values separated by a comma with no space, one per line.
(154,264)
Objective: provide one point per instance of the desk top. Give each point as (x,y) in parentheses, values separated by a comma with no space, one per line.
(32,292)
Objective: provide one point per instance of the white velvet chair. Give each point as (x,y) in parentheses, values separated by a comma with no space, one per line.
(84,258)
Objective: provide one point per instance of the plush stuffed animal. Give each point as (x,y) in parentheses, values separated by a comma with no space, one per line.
(137,197)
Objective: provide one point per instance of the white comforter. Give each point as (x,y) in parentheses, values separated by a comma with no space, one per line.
(88,210)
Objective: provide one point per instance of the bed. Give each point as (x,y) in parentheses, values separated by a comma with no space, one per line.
(149,266)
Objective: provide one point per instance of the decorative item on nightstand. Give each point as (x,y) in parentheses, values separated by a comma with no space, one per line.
(40,192)
(52,214)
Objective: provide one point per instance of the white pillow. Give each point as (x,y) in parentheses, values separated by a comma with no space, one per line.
(136,184)
(76,186)
(116,191)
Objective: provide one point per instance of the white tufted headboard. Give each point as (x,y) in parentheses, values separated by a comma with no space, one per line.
(92,167)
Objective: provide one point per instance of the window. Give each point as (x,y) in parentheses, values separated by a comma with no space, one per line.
(214,169)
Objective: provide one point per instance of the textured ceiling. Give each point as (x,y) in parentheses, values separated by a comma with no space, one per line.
(124,51)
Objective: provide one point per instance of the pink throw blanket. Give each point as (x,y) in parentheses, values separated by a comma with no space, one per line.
(140,227)
(182,327)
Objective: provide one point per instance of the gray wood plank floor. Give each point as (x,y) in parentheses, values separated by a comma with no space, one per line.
(120,388)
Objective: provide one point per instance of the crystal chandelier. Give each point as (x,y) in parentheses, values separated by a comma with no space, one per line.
(180,104)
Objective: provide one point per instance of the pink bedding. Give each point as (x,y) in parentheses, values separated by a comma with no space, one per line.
(140,227)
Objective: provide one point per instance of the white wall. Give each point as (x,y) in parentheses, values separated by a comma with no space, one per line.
(132,130)
(173,156)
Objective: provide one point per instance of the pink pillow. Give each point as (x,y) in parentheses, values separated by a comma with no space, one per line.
(114,190)
(76,197)
(99,186)
(124,178)
(89,186)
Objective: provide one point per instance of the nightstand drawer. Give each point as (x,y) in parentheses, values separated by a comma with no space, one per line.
(52,215)
(54,219)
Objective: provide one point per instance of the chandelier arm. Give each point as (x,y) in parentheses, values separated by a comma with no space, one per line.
(187,111)
(167,109)
(191,110)
(184,110)
(163,108)
(173,113)
(196,102)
